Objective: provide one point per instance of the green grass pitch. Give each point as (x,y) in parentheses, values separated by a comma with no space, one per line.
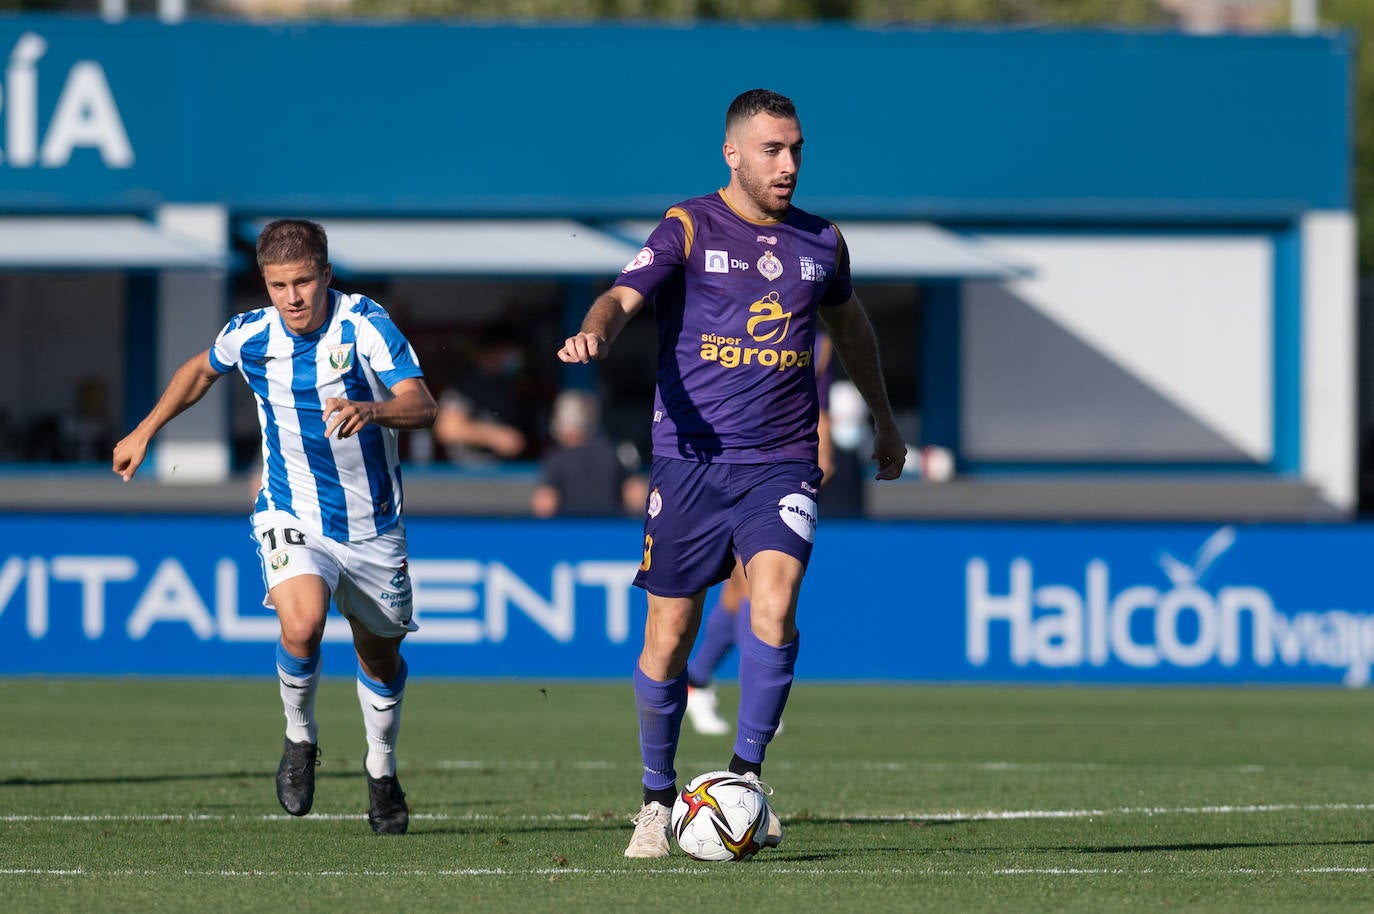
(156,795)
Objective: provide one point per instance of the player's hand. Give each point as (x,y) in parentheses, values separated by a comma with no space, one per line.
(128,456)
(890,453)
(584,347)
(346,417)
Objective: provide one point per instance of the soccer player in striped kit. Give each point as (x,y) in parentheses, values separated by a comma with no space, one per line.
(334,379)
(739,278)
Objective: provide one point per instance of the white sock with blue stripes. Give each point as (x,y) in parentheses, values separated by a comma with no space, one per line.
(381,704)
(298,679)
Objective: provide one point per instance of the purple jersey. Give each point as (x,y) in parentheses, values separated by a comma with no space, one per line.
(736,303)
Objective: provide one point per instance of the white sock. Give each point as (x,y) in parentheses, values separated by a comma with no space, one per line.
(382,721)
(298,686)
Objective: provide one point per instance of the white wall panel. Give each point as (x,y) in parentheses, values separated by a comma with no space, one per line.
(1122,347)
(1329,382)
(194,447)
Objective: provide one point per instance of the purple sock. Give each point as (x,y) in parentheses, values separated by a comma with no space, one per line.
(661,706)
(720,637)
(765,678)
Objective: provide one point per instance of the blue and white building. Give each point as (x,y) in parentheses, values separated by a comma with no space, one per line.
(1119,265)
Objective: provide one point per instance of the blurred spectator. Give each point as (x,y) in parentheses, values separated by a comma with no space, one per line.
(481,414)
(11,443)
(473,436)
(842,494)
(583,475)
(842,485)
(842,431)
(83,434)
(87,435)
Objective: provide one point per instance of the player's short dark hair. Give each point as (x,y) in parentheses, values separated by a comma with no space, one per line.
(291,241)
(758,101)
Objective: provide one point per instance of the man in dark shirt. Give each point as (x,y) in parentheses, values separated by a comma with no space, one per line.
(583,475)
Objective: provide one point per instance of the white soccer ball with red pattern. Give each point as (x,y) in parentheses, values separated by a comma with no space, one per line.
(720,816)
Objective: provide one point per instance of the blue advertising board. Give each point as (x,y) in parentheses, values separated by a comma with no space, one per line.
(1121,603)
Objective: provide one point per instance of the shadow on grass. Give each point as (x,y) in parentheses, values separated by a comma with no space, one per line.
(321,774)
(133,779)
(1076,849)
(494,832)
(915,822)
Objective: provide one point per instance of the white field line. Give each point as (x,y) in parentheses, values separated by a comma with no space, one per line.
(692,870)
(264,763)
(985,815)
(786,765)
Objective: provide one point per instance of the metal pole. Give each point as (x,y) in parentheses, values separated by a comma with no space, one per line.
(1303,16)
(114,10)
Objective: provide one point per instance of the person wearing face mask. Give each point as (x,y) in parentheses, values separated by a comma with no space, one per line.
(841,496)
(481,417)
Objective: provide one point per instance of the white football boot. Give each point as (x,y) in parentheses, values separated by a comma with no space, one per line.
(651,832)
(774,836)
(701,711)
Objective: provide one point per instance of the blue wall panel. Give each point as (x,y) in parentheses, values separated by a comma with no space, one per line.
(473,119)
(994,602)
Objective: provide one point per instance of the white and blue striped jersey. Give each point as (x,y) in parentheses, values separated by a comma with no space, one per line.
(348,489)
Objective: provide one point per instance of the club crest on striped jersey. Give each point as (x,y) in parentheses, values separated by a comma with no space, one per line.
(341,357)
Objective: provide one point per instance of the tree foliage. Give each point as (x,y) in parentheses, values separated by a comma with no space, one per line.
(1358,16)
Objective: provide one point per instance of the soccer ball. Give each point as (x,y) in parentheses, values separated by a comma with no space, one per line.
(720,816)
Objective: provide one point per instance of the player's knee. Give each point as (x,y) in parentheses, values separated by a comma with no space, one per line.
(301,646)
(301,637)
(772,618)
(773,632)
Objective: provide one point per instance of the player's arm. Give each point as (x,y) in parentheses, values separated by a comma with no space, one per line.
(857,346)
(411,406)
(605,319)
(188,385)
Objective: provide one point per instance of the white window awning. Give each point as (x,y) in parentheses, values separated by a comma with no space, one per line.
(99,243)
(473,247)
(897,250)
(905,250)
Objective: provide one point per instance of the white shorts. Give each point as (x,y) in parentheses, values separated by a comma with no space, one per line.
(370,579)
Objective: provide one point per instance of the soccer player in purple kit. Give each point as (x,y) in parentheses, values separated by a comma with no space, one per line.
(738,278)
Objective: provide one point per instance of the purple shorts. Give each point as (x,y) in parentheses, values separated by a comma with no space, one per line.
(701,515)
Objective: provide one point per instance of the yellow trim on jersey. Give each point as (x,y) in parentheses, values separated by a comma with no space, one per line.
(726,201)
(688,228)
(839,248)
